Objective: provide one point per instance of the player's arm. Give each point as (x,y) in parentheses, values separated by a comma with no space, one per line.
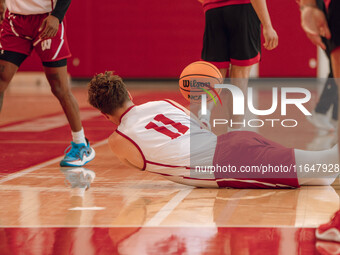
(314,22)
(193,116)
(269,34)
(125,151)
(60,9)
(50,25)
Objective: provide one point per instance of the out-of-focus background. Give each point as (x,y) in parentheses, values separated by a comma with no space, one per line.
(157,39)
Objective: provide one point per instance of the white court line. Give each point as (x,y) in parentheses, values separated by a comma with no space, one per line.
(167,208)
(36,167)
(95,208)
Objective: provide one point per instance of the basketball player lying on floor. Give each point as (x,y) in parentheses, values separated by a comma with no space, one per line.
(161,137)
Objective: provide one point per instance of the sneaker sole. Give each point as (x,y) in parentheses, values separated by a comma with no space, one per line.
(324,247)
(331,234)
(80,163)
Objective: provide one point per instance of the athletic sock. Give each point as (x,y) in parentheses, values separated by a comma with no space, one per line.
(79,137)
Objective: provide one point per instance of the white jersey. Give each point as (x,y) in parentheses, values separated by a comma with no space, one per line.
(167,138)
(30,7)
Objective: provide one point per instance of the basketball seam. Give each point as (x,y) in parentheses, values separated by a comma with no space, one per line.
(188,90)
(200,75)
(218,71)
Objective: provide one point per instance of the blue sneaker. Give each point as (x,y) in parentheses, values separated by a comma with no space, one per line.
(78,155)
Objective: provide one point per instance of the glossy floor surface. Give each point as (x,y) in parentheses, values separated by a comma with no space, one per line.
(130,212)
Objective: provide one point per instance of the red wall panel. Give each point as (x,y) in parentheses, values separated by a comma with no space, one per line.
(157,39)
(138,39)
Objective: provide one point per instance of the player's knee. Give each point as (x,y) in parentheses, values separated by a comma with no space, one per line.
(60,92)
(4,82)
(241,71)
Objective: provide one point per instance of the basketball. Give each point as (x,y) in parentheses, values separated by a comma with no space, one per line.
(200,78)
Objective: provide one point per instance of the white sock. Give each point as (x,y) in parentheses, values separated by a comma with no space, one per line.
(79,137)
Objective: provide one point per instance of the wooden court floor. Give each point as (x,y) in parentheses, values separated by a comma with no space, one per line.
(132,212)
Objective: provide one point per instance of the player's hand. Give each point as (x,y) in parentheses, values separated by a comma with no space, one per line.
(271,40)
(314,23)
(49,27)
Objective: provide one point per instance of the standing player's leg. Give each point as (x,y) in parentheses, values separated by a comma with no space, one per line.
(245,46)
(239,76)
(81,152)
(329,95)
(7,71)
(14,49)
(328,99)
(215,49)
(330,231)
(10,61)
(58,80)
(54,53)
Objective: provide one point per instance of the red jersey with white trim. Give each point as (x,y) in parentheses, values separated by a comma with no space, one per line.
(163,133)
(211,4)
(30,7)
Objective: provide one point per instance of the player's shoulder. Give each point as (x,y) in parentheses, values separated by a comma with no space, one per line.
(115,139)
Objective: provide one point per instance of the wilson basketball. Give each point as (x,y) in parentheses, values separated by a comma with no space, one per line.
(200,78)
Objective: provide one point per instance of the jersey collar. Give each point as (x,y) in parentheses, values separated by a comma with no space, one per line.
(127,110)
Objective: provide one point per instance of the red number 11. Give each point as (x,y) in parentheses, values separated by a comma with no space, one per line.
(166,121)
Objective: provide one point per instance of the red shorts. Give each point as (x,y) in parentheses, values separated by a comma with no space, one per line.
(19,33)
(247,160)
